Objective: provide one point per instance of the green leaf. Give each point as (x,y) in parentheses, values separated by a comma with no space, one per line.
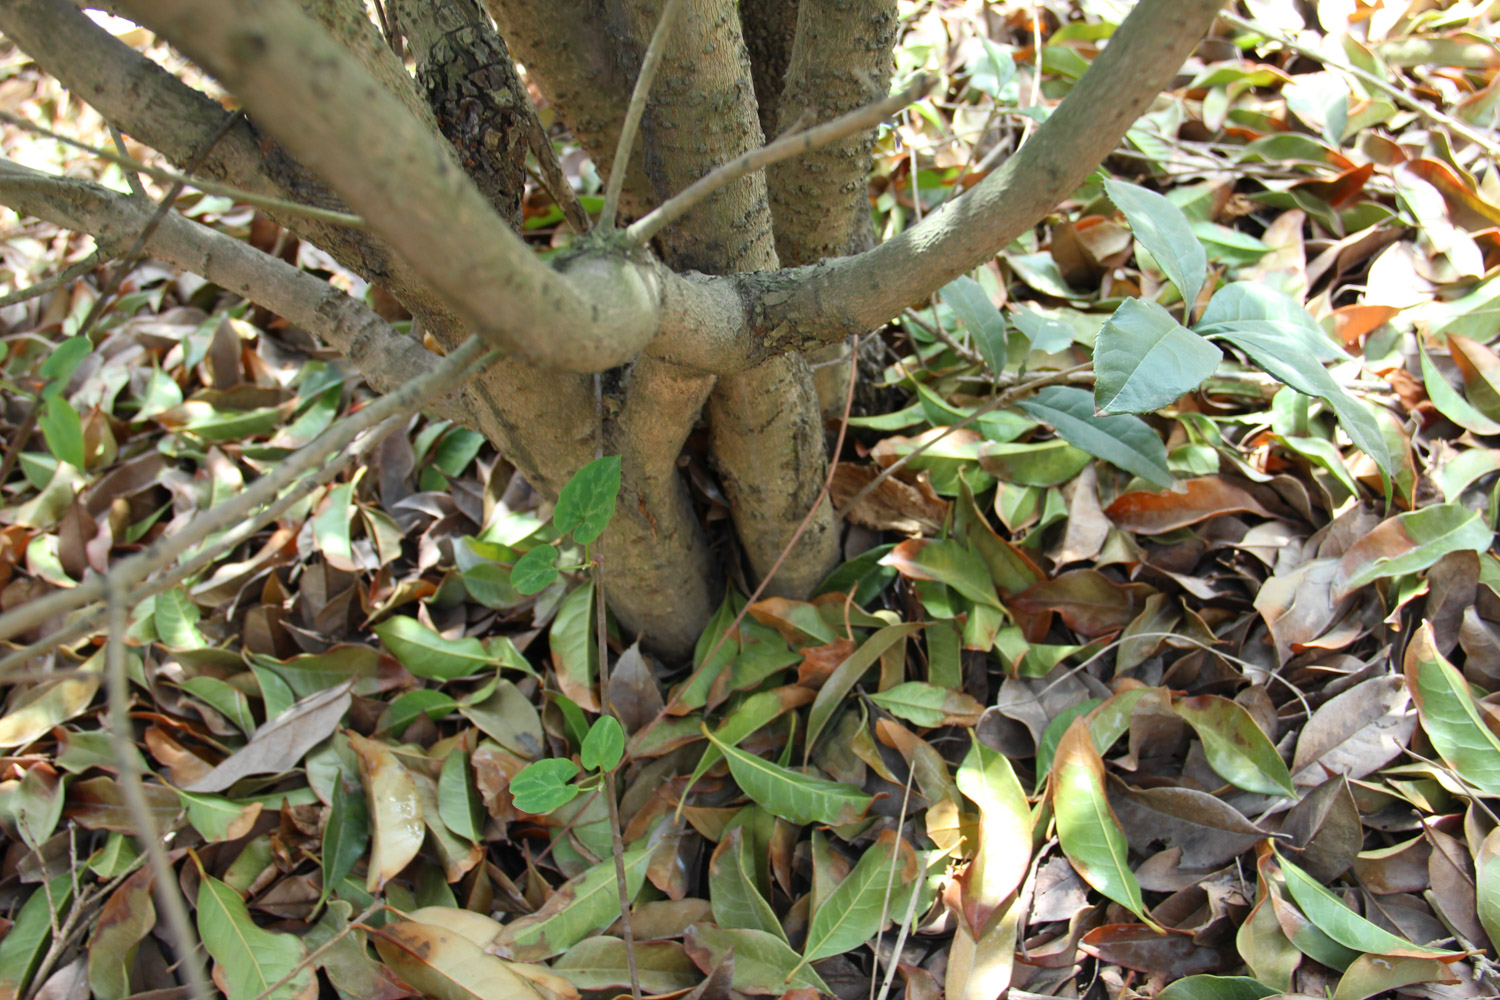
(1125,441)
(763,963)
(983,321)
(1449,403)
(604,746)
(1411,542)
(1329,914)
(1449,714)
(535,571)
(423,701)
(929,706)
(1087,829)
(544,785)
(880,884)
(1144,359)
(847,674)
(795,797)
(1217,988)
(176,618)
(577,909)
(459,805)
(1237,749)
(64,359)
(587,502)
(599,963)
(1004,852)
(1285,357)
(947,562)
(1165,231)
(253,960)
(31,934)
(735,898)
(346,836)
(1487,884)
(1250,305)
(427,654)
(62,430)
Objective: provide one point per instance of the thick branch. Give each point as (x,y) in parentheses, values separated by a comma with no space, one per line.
(341,123)
(827,302)
(385,357)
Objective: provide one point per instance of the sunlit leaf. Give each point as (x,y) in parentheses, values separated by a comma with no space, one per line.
(1449,714)
(1166,233)
(795,797)
(1144,359)
(1237,749)
(1125,441)
(587,501)
(253,959)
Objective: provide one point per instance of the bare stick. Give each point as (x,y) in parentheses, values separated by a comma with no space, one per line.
(788,146)
(238,508)
(210,187)
(167,894)
(617,170)
(1396,93)
(94,260)
(553,178)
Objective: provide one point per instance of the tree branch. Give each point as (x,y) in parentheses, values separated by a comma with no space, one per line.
(383,356)
(637,108)
(851,295)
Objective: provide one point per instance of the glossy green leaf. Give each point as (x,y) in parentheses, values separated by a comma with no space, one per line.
(346,835)
(1125,441)
(30,933)
(1237,749)
(535,571)
(600,963)
(1087,829)
(732,889)
(544,785)
(64,359)
(983,321)
(62,430)
(577,909)
(427,654)
(1164,230)
(763,963)
(459,805)
(795,797)
(176,617)
(253,959)
(1329,914)
(1411,542)
(1217,988)
(929,706)
(1003,853)
(947,562)
(1250,305)
(1285,357)
(1449,714)
(604,746)
(1448,401)
(880,884)
(1144,359)
(1381,975)
(587,502)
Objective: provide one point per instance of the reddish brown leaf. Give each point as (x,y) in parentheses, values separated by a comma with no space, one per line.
(1138,947)
(1199,500)
(1091,603)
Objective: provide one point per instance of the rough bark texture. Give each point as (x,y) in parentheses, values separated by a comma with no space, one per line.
(469,80)
(352,28)
(574,60)
(770,29)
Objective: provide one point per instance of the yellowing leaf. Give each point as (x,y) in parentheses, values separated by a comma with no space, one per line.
(395,810)
(445,965)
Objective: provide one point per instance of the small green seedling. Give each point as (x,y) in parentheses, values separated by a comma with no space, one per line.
(549,784)
(583,510)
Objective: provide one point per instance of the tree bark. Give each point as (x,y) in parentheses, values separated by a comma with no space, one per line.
(770,30)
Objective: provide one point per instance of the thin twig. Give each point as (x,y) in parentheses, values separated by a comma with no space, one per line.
(885,901)
(1396,93)
(553,177)
(936,329)
(320,950)
(168,896)
(209,187)
(131,177)
(450,371)
(621,165)
(674,208)
(94,260)
(1006,398)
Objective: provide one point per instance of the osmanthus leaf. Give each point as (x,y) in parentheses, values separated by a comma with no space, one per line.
(1236,747)
(1450,716)
(881,883)
(764,964)
(1091,603)
(983,321)
(732,890)
(1087,829)
(343,954)
(831,695)
(253,959)
(600,963)
(218,818)
(928,705)
(946,562)
(980,968)
(1164,230)
(1412,542)
(280,744)
(427,654)
(124,921)
(1003,852)
(753,713)
(1138,947)
(1268,953)
(1487,884)
(795,797)
(587,502)
(1329,914)
(581,906)
(1480,368)
(1205,987)
(1448,401)
(30,934)
(1356,732)
(176,617)
(1283,356)
(1144,359)
(1250,305)
(62,430)
(445,965)
(1188,502)
(1209,831)
(1372,975)
(346,835)
(394,807)
(52,703)
(1125,441)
